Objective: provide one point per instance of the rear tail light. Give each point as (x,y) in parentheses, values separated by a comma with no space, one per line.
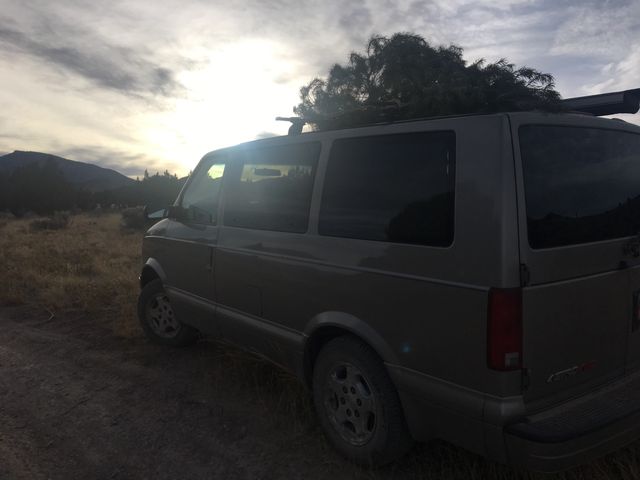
(504,329)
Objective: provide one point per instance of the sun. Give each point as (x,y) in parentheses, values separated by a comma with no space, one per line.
(233,97)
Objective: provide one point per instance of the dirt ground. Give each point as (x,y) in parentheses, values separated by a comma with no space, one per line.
(78,401)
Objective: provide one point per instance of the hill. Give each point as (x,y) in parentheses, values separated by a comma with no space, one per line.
(85,176)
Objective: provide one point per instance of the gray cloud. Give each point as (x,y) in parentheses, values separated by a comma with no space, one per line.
(12,136)
(127,163)
(71,49)
(356,20)
(7,132)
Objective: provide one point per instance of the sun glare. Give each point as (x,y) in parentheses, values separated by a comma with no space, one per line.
(233,98)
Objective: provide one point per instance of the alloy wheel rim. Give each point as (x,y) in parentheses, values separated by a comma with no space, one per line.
(350,404)
(161,317)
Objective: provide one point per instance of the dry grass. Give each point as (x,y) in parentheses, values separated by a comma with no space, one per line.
(93,265)
(57,221)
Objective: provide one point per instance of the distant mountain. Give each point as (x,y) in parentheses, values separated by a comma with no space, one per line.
(82,175)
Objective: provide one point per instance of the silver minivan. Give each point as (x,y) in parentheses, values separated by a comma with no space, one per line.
(472,278)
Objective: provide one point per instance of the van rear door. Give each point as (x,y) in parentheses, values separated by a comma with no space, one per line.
(578,184)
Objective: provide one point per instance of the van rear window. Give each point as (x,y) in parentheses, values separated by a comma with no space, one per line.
(393,188)
(581,185)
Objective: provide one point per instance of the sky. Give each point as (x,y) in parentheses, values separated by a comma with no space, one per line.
(157,84)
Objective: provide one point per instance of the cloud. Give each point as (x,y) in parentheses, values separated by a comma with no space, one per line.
(11,136)
(128,163)
(356,20)
(598,29)
(8,131)
(83,53)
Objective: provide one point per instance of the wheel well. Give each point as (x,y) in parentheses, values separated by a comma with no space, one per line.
(148,274)
(316,341)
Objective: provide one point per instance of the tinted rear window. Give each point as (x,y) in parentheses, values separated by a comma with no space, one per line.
(395,188)
(581,184)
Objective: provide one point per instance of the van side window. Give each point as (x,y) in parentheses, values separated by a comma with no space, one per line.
(202,196)
(271,189)
(394,188)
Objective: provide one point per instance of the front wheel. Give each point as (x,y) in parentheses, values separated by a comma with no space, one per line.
(357,404)
(158,319)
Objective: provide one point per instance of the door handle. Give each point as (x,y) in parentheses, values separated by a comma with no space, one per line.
(209,266)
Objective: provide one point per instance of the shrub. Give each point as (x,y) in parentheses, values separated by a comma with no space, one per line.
(5,217)
(133,218)
(57,221)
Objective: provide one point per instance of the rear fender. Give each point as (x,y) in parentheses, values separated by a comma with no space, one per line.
(355,326)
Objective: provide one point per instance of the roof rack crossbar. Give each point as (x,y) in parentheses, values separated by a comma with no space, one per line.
(296,124)
(626,101)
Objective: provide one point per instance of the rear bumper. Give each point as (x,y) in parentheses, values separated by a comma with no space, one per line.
(554,439)
(578,431)
(555,456)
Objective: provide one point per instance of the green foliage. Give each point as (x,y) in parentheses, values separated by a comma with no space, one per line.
(402,77)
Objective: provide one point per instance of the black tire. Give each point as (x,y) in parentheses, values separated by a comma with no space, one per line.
(357,404)
(158,320)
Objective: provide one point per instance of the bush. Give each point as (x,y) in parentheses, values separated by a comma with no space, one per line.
(5,217)
(57,221)
(133,218)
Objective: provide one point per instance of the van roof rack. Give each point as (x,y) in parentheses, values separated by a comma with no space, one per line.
(626,101)
(296,124)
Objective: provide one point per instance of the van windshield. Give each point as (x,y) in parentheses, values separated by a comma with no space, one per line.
(581,184)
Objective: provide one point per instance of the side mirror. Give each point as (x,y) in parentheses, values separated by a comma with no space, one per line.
(154,215)
(173,211)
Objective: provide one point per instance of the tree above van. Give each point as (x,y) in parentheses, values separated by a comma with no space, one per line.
(403,76)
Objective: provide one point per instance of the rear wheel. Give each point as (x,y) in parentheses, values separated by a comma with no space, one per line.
(357,404)
(158,319)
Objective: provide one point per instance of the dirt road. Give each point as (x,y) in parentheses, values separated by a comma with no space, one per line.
(79,402)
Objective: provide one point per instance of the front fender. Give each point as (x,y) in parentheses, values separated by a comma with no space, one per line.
(154,265)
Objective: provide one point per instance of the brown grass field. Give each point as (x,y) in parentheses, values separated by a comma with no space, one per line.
(90,268)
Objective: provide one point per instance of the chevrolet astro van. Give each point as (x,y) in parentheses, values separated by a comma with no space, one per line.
(472,278)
